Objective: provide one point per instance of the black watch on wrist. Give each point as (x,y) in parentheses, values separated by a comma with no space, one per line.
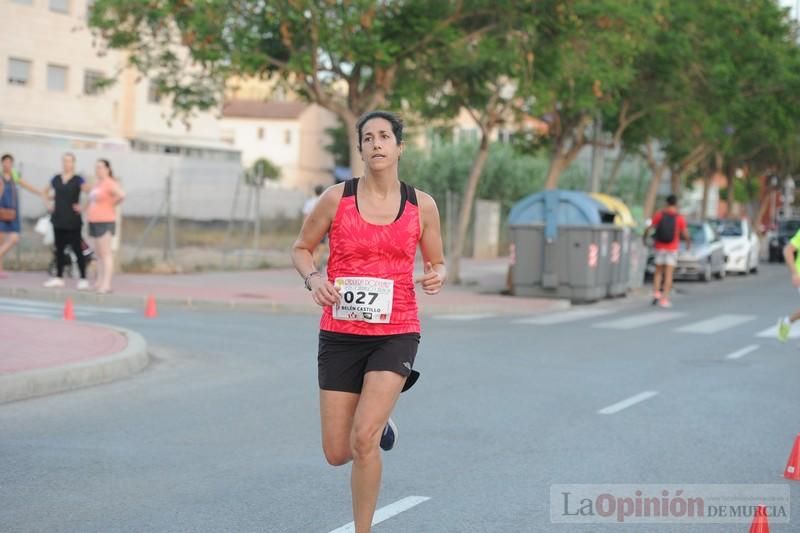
(308,278)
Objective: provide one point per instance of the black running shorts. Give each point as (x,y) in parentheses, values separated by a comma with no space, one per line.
(344,359)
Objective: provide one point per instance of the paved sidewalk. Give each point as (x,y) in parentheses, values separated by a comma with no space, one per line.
(41,356)
(281,290)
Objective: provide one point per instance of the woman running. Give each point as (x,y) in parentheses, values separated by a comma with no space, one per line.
(104,197)
(370,330)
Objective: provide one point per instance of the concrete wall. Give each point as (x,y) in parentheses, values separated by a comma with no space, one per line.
(203,189)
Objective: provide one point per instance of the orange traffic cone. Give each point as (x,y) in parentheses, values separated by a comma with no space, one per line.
(760,523)
(150,308)
(793,464)
(69,311)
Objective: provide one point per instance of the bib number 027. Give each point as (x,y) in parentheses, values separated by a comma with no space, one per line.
(360,297)
(364,299)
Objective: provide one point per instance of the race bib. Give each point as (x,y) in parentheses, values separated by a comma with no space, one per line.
(364,299)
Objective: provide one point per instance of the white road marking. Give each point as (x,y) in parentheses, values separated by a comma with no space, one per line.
(772,332)
(624,404)
(59,306)
(716,324)
(565,316)
(476,316)
(385,513)
(30,313)
(25,310)
(638,321)
(741,353)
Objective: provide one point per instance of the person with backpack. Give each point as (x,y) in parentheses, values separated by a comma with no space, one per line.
(668,226)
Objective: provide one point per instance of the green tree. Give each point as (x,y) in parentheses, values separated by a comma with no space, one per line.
(263,169)
(584,68)
(344,56)
(339,146)
(486,69)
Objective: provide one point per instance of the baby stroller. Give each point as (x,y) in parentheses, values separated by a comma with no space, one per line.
(71,261)
(45,228)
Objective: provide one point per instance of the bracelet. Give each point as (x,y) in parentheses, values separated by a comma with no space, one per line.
(307,278)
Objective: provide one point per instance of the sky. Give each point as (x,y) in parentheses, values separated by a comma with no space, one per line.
(794,4)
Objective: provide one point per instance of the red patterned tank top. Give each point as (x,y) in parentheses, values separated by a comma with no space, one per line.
(359,249)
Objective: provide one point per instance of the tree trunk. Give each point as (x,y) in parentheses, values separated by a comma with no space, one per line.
(356,164)
(560,161)
(454,263)
(652,190)
(764,206)
(730,172)
(615,170)
(557,165)
(706,193)
(675,182)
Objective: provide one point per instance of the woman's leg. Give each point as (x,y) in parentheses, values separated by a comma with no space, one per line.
(98,270)
(75,242)
(378,397)
(61,237)
(337,410)
(7,242)
(105,261)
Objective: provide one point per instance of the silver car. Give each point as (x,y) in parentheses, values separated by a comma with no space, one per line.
(706,257)
(705,260)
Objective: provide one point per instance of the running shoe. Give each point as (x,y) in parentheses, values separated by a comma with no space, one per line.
(54,283)
(664,303)
(783,329)
(83,285)
(389,437)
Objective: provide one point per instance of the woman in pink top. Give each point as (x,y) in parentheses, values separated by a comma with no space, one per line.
(104,197)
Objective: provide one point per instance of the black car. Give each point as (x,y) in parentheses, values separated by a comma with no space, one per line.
(786,230)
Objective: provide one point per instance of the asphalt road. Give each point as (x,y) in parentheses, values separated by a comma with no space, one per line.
(221,432)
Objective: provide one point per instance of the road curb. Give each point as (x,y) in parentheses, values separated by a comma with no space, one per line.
(41,382)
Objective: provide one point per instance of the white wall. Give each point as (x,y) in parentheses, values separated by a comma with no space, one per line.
(155,119)
(203,189)
(273,146)
(315,162)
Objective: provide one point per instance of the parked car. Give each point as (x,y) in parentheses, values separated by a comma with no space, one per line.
(740,243)
(786,230)
(705,260)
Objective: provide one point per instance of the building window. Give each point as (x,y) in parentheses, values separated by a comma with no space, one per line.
(56,78)
(91,82)
(59,6)
(260,134)
(26,2)
(89,6)
(19,71)
(287,137)
(154,96)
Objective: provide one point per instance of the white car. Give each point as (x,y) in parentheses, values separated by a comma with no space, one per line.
(740,243)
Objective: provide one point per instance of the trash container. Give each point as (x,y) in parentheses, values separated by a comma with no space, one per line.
(621,245)
(637,262)
(562,243)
